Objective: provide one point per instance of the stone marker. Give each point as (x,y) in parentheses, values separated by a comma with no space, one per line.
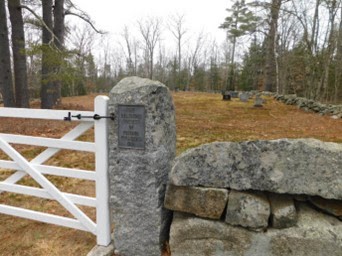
(226,95)
(141,147)
(250,210)
(244,97)
(234,94)
(203,202)
(258,101)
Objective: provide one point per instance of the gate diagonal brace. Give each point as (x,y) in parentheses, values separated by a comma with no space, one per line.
(48,186)
(95,117)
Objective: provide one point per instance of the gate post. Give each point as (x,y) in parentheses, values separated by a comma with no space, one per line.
(101,166)
(142,145)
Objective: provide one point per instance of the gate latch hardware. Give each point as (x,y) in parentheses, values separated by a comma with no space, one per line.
(95,117)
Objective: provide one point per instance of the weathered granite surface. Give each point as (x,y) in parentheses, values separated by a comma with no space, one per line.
(138,177)
(250,210)
(316,234)
(203,202)
(283,211)
(102,250)
(333,207)
(299,166)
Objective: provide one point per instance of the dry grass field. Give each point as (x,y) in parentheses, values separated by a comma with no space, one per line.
(200,117)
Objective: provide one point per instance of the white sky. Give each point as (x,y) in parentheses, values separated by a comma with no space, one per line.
(111,16)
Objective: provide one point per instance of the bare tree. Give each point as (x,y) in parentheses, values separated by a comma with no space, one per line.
(150,30)
(131,46)
(194,57)
(6,83)
(176,26)
(338,71)
(84,69)
(332,6)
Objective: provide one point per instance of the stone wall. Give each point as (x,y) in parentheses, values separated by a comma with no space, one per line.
(311,105)
(260,198)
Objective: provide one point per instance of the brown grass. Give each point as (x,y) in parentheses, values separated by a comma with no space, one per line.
(200,117)
(203,118)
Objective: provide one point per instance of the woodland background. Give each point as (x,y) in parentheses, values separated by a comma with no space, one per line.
(282,46)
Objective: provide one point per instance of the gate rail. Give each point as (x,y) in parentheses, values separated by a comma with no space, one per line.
(36,168)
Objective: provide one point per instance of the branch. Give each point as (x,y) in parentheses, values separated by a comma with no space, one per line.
(42,22)
(86,19)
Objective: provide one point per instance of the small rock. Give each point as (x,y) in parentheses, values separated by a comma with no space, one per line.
(283,211)
(333,207)
(250,210)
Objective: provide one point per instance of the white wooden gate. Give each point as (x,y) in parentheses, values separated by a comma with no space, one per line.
(36,168)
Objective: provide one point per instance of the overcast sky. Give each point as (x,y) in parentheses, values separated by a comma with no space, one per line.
(111,15)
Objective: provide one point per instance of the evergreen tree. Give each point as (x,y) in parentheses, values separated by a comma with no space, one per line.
(241,21)
(253,62)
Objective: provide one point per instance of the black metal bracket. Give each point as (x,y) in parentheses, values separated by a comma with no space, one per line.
(95,117)
(68,118)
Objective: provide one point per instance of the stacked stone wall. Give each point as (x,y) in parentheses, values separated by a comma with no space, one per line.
(257,198)
(260,198)
(311,105)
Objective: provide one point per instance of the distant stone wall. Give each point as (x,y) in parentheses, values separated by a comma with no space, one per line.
(311,105)
(260,198)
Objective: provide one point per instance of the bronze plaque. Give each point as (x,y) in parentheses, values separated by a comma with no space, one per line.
(131,126)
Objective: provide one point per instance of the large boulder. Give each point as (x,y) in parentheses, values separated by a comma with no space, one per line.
(300,166)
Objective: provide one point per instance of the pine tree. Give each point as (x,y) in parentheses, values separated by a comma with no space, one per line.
(240,22)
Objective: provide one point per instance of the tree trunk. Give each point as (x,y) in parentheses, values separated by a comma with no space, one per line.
(231,75)
(313,41)
(338,66)
(59,31)
(19,55)
(321,92)
(6,83)
(270,79)
(47,100)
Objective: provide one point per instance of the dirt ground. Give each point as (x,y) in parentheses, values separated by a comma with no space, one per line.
(200,118)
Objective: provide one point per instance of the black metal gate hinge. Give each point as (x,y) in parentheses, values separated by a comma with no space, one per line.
(95,117)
